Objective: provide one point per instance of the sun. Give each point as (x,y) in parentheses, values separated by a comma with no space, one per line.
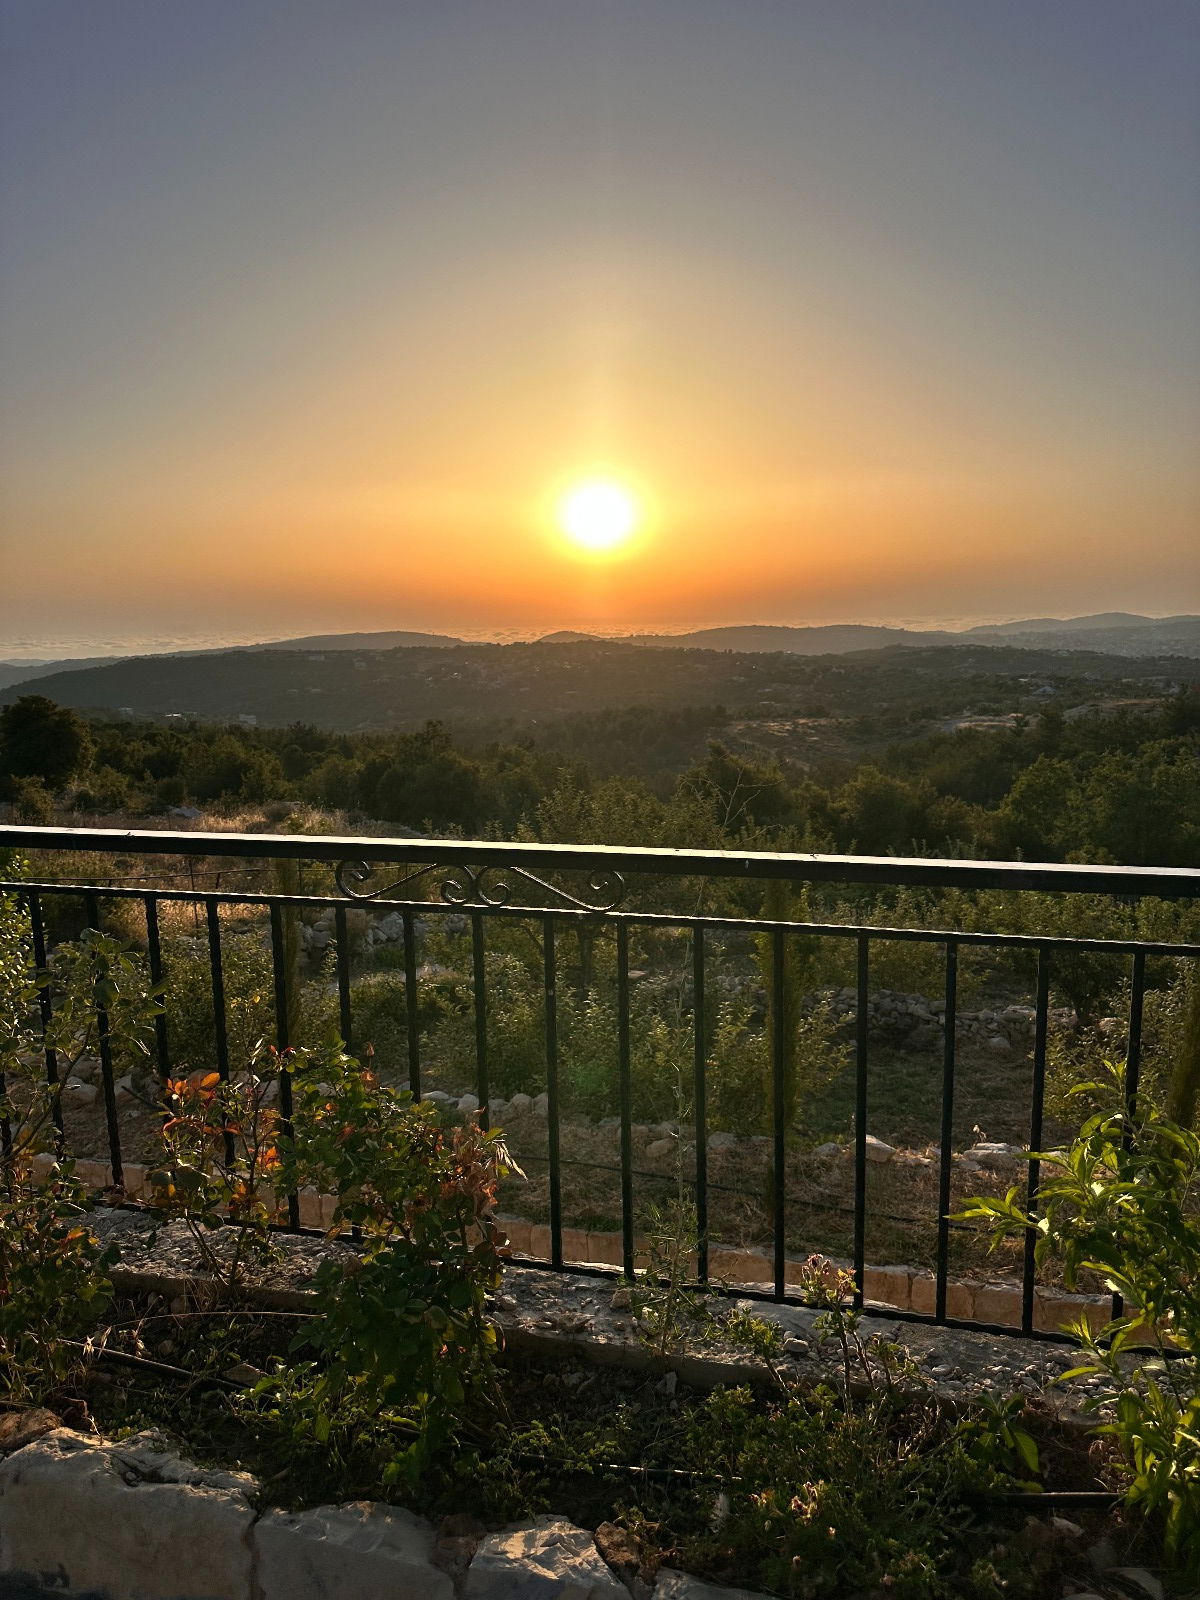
(598,514)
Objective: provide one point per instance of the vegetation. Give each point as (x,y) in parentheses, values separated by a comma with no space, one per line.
(1121,1202)
(382,1387)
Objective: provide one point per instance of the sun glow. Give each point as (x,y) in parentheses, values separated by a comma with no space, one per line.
(598,515)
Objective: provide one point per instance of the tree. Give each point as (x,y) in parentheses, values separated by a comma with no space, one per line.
(39,739)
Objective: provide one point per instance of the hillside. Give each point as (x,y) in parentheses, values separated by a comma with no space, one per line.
(522,684)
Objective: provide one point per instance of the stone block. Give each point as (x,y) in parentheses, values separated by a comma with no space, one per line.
(351,1552)
(518,1231)
(892,1286)
(960,1300)
(539,1241)
(1053,1307)
(741,1266)
(960,1297)
(574,1244)
(921,1292)
(999,1303)
(310,1207)
(605,1248)
(94,1174)
(131,1520)
(133,1174)
(546,1559)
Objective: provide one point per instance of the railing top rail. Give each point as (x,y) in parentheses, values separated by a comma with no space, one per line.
(912,871)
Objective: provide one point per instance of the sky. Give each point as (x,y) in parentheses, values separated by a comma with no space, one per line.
(311,309)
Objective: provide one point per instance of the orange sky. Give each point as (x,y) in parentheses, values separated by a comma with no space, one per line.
(883,311)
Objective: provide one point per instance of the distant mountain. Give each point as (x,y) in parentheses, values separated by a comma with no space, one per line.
(1111,633)
(524,685)
(833,639)
(1101,620)
(395,640)
(14,672)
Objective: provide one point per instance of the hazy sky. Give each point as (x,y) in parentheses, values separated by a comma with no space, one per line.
(886,308)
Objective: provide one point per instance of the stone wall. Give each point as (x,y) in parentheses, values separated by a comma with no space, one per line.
(132,1520)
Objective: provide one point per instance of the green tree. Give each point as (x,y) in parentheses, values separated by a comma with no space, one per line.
(39,739)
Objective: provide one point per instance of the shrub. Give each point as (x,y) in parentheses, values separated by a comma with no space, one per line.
(1121,1202)
(402,1332)
(220,1157)
(53,1279)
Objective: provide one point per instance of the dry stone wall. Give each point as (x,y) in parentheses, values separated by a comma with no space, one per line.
(134,1521)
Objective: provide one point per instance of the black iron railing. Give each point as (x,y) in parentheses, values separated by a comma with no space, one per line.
(553,887)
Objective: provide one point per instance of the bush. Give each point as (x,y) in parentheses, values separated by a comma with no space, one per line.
(402,1328)
(1122,1202)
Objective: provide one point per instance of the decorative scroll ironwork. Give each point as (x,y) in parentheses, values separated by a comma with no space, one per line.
(482,887)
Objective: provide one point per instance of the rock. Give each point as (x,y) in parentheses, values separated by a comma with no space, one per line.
(548,1557)
(130,1520)
(661,1149)
(124,1087)
(1065,1528)
(667,1384)
(620,1550)
(1136,1580)
(722,1141)
(522,1103)
(240,1372)
(877,1150)
(1102,1555)
(86,1068)
(439,1097)
(351,1552)
(77,1093)
(992,1153)
(541,1105)
(454,1549)
(674,1585)
(19,1428)
(998,1044)
(827,1152)
(469,1104)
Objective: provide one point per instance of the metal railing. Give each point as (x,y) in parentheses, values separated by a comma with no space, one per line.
(552,887)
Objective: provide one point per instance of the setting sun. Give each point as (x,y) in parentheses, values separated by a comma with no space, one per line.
(597,515)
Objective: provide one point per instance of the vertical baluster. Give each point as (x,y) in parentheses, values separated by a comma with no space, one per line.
(410,1003)
(37,930)
(625,1090)
(1133,1063)
(162,1052)
(342,939)
(283,1044)
(861,1021)
(216,970)
(779,1107)
(700,1103)
(481,1038)
(92,910)
(1037,1105)
(550,991)
(946,1147)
